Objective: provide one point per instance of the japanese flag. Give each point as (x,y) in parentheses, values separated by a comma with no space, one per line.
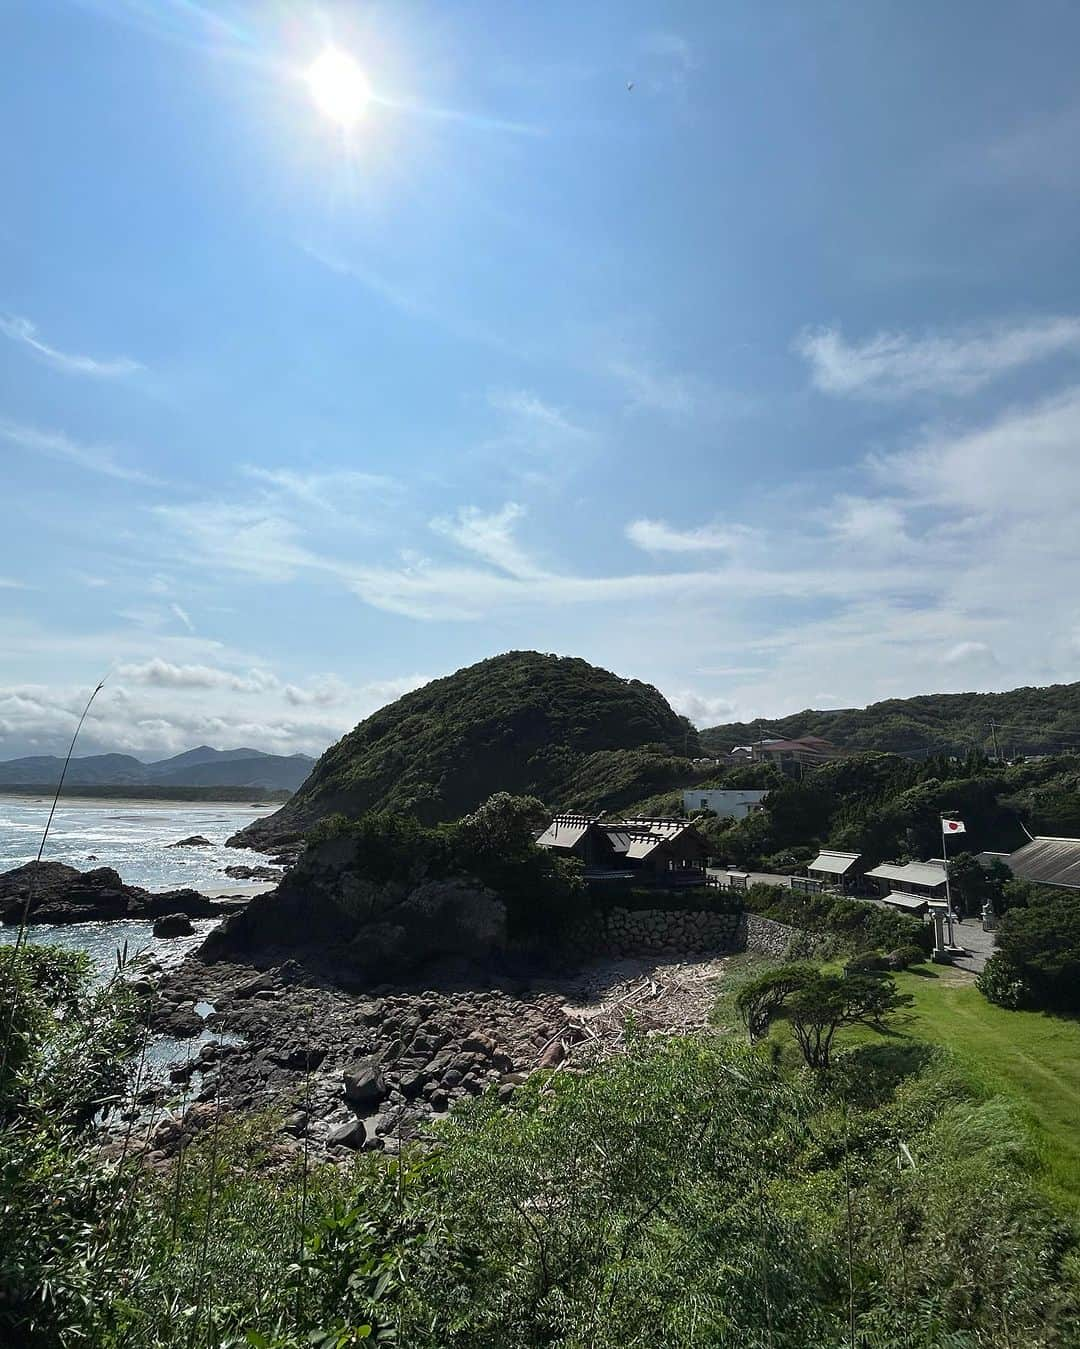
(953,827)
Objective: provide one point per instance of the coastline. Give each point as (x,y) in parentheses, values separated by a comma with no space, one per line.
(78,796)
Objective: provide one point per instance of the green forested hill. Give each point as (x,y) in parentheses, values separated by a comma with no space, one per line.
(1028,721)
(555,727)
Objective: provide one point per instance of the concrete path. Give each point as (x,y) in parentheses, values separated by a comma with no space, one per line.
(978,945)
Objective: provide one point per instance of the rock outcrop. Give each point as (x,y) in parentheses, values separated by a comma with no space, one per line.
(61,894)
(326,903)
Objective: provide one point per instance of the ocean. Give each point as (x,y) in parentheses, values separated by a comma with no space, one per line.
(130,836)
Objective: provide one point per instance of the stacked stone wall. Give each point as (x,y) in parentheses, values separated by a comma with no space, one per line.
(676,932)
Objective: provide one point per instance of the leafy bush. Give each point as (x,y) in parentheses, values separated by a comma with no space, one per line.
(867,962)
(903,957)
(860,924)
(1003,983)
(1039,946)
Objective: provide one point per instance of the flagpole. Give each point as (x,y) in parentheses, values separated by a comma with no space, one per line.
(948,892)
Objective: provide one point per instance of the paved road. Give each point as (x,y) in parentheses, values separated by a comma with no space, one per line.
(978,944)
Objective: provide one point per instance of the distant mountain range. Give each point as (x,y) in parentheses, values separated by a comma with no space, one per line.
(202,767)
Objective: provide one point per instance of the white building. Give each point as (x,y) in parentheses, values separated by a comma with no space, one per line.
(727,803)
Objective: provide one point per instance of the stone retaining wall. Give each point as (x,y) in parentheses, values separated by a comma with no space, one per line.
(674,932)
(766,937)
(638,932)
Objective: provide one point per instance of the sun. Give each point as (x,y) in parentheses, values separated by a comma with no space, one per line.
(339,87)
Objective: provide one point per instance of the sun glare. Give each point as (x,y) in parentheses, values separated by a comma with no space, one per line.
(339,87)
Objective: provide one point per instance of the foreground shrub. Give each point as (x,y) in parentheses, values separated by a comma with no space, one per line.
(1002,983)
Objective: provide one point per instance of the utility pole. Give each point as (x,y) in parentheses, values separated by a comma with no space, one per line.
(993,732)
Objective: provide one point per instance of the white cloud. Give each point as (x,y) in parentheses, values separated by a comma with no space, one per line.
(898,365)
(163,674)
(256,541)
(55,445)
(22,330)
(871,523)
(530,407)
(332,491)
(182,615)
(654,536)
(966,652)
(702,709)
(490,535)
(1020,464)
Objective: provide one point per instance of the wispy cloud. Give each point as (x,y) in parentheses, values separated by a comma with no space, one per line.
(899,365)
(55,445)
(654,536)
(490,535)
(967,652)
(530,407)
(403,298)
(20,329)
(182,615)
(258,542)
(330,490)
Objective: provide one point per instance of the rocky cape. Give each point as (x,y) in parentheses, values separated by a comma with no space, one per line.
(58,893)
(568,732)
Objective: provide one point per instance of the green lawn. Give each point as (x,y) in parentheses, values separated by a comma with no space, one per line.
(1031,1057)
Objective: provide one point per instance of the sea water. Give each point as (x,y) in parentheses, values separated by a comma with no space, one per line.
(130,836)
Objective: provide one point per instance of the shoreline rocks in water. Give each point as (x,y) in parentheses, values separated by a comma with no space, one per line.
(239,872)
(173,925)
(192,841)
(62,894)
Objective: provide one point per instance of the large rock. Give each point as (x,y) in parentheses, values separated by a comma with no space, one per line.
(173,925)
(364,1082)
(240,872)
(56,893)
(192,841)
(387,929)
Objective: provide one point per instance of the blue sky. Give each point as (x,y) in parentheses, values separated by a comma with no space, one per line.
(759,380)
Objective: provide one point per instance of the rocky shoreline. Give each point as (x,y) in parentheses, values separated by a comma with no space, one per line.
(369,1069)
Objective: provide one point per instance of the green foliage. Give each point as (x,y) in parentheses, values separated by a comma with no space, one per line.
(903,957)
(817,1003)
(1038,948)
(858,924)
(67,1045)
(494,846)
(1030,721)
(760,998)
(1001,982)
(819,1006)
(525,723)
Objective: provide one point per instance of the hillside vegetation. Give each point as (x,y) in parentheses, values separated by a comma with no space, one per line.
(531,724)
(1028,721)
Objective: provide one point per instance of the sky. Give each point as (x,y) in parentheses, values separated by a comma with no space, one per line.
(733,347)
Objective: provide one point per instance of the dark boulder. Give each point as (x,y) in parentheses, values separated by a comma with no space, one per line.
(55,893)
(173,925)
(192,841)
(246,873)
(364,1082)
(351,1134)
